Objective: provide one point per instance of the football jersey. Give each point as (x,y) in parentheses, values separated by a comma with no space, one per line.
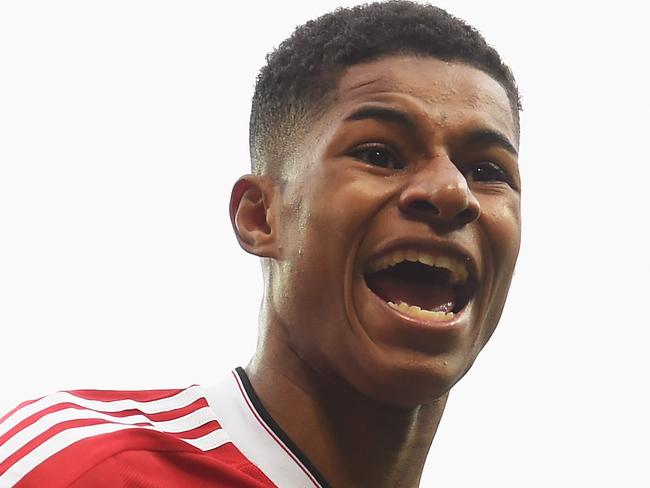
(197,437)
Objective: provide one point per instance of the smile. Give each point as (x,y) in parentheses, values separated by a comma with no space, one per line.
(424,285)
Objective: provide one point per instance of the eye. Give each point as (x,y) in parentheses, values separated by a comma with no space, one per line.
(487,171)
(377,155)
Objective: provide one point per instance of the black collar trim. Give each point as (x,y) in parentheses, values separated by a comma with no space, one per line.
(277,430)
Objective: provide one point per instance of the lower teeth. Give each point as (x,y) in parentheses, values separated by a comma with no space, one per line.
(415,311)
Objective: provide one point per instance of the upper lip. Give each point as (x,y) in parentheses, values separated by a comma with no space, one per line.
(433,246)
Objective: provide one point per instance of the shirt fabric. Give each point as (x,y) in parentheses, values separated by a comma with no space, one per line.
(196,437)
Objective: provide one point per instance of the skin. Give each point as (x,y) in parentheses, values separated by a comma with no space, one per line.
(332,357)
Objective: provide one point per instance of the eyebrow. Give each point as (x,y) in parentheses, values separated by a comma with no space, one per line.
(383,114)
(481,136)
(489,137)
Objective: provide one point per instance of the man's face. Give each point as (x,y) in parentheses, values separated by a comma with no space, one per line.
(405,194)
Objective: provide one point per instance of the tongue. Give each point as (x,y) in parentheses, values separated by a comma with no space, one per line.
(396,289)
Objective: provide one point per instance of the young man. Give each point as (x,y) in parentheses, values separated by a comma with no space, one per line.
(384,203)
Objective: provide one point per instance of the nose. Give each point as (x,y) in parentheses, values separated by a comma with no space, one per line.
(439,193)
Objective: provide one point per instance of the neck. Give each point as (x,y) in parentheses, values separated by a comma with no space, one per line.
(352,440)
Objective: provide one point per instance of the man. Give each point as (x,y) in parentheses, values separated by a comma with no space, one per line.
(384,204)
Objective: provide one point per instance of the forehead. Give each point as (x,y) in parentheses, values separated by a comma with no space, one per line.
(440,93)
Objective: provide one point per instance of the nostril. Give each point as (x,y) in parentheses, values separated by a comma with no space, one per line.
(467,215)
(424,206)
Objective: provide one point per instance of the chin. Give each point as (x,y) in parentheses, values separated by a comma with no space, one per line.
(404,380)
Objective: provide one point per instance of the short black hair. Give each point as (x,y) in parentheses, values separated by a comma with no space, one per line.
(300,75)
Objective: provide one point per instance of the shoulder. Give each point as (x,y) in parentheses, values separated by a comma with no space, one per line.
(88,437)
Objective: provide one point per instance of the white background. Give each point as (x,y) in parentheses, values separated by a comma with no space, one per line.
(123,125)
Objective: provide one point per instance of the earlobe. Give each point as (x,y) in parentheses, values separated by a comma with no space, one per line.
(251,215)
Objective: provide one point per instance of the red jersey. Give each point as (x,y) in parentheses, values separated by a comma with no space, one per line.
(197,437)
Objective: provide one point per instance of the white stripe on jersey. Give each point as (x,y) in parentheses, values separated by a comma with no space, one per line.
(181,399)
(210,441)
(255,440)
(68,437)
(195,419)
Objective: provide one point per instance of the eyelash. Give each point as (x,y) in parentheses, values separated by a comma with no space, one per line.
(487,171)
(363,151)
(481,172)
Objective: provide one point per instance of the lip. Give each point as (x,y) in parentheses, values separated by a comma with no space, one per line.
(459,319)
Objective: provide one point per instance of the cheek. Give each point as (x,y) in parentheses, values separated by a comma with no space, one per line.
(501,221)
(321,233)
(501,225)
(339,206)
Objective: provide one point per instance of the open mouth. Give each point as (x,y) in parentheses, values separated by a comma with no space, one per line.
(421,284)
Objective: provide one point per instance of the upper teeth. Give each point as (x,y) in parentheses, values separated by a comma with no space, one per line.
(457,268)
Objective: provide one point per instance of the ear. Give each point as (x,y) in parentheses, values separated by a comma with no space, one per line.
(251,215)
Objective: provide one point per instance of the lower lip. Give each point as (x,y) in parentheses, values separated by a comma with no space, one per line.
(457,321)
